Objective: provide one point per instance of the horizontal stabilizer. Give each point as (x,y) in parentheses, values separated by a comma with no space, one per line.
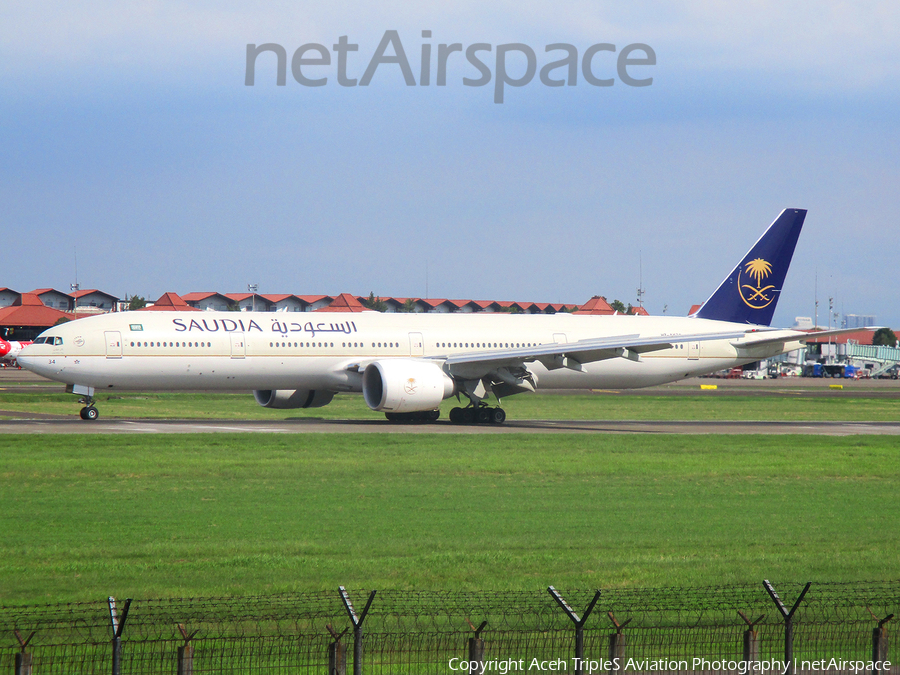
(796,336)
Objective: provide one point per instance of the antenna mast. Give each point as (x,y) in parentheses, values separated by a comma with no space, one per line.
(640,290)
(74,288)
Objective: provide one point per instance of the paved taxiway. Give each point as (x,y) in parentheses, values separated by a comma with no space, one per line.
(308,426)
(38,423)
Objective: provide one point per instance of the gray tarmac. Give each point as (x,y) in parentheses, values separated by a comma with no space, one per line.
(313,426)
(37,423)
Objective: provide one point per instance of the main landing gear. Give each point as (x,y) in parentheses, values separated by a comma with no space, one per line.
(480,414)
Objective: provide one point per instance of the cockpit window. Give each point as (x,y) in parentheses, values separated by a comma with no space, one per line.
(57,340)
(49,340)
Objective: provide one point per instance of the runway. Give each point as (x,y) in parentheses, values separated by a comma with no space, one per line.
(46,423)
(320,426)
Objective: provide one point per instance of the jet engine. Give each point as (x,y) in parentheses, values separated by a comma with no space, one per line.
(292,398)
(405,385)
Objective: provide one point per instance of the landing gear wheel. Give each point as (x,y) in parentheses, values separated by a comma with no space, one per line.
(432,415)
(455,415)
(483,415)
(89,413)
(498,416)
(467,416)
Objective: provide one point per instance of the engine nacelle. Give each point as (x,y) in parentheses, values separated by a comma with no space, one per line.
(405,385)
(292,398)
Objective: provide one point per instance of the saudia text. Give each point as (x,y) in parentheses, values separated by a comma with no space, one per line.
(249,325)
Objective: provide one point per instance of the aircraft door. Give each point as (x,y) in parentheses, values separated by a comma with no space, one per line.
(693,351)
(238,346)
(416,345)
(113,344)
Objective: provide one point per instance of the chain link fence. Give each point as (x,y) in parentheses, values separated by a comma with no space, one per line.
(703,629)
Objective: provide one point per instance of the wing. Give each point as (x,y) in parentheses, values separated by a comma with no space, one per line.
(572,355)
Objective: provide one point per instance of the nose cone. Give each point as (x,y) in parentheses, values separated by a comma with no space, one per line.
(4,348)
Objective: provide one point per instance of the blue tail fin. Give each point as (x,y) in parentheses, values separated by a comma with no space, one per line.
(749,294)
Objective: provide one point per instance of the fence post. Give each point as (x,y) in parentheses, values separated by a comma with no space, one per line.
(357,621)
(23,658)
(118,625)
(337,652)
(617,646)
(751,639)
(880,644)
(788,623)
(186,652)
(476,649)
(579,625)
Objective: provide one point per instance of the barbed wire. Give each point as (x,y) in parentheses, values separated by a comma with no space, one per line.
(426,625)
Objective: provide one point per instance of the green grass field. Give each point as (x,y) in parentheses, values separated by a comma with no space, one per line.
(83,517)
(711,405)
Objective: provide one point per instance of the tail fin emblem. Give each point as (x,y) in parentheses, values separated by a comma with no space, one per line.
(757,296)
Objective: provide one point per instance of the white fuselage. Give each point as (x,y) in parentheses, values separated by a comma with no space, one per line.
(323,350)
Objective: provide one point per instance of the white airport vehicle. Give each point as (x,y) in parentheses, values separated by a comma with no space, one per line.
(406,364)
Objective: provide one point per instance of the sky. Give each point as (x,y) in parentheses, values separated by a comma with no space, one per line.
(135,156)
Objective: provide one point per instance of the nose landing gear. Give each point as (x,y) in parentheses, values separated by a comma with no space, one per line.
(88,412)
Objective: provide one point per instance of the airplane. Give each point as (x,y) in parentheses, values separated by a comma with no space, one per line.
(406,364)
(10,349)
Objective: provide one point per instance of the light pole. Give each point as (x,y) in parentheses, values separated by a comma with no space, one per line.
(252,288)
(74,288)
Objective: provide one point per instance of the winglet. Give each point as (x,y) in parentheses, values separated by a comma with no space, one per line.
(749,294)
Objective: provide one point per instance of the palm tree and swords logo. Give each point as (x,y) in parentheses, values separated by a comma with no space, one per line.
(757,296)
